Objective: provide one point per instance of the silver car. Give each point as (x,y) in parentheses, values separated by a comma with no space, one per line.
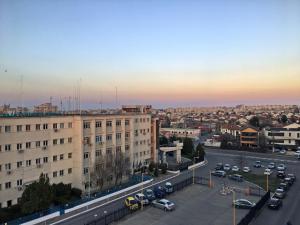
(164,204)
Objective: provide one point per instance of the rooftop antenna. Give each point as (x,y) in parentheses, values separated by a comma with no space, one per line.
(21,94)
(116,97)
(79,103)
(69,104)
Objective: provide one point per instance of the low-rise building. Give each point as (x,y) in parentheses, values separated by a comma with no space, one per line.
(249,137)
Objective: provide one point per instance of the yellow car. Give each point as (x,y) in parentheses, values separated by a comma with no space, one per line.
(131,203)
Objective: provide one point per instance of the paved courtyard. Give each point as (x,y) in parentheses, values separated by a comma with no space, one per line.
(195,204)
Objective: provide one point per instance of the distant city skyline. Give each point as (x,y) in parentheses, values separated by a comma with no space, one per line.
(164,53)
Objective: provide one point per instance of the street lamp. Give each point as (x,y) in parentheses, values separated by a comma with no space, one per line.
(233,201)
(142,205)
(267,183)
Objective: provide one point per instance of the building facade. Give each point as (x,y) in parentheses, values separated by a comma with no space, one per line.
(249,137)
(65,148)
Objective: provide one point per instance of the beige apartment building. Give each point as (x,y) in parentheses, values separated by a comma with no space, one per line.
(65,147)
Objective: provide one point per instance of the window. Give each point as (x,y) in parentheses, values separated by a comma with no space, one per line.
(118,149)
(27,127)
(69,125)
(290,134)
(7,185)
(98,139)
(19,128)
(38,127)
(136,132)
(54,141)
(61,156)
(69,140)
(108,151)
(141,120)
(98,153)
(61,173)
(148,119)
(7,148)
(19,164)
(0,148)
(54,158)
(55,174)
(136,120)
(19,182)
(19,146)
(45,159)
(144,120)
(98,124)
(28,163)
(62,141)
(127,147)
(108,123)
(45,126)
(127,123)
(118,123)
(55,126)
(70,155)
(109,137)
(85,170)
(7,129)
(45,143)
(28,145)
(37,161)
(86,155)
(0,167)
(61,125)
(298,135)
(69,170)
(37,144)
(86,125)
(118,136)
(8,166)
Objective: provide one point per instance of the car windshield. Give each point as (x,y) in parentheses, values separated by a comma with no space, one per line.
(279,190)
(273,201)
(132,201)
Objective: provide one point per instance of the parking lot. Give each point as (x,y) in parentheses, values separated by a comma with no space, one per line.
(196,204)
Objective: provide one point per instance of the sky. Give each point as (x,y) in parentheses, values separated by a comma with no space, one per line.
(160,52)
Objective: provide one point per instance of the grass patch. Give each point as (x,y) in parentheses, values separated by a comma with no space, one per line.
(260,179)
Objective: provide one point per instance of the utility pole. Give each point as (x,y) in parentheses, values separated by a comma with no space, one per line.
(267,182)
(234,213)
(142,205)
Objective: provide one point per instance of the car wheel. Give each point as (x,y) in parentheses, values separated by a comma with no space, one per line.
(165,209)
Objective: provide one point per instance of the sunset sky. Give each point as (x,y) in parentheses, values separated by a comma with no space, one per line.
(159,52)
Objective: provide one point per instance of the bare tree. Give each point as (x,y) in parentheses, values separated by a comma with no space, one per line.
(99,173)
(121,166)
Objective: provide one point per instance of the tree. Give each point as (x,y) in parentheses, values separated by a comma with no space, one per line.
(283,119)
(254,121)
(121,166)
(163,168)
(199,153)
(37,196)
(151,167)
(62,193)
(173,138)
(99,173)
(156,171)
(188,147)
(163,140)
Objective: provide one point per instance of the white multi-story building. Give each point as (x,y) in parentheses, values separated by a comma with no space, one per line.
(288,136)
(65,147)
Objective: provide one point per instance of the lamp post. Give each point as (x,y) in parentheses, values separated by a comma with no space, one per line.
(267,183)
(234,212)
(210,181)
(142,205)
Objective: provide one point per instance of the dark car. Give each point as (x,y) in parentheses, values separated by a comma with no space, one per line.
(292,176)
(257,164)
(243,204)
(279,193)
(274,203)
(281,174)
(288,181)
(219,166)
(236,177)
(149,194)
(284,186)
(159,192)
(218,173)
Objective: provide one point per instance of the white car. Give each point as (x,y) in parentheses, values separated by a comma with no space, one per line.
(141,199)
(268,172)
(281,167)
(227,167)
(271,165)
(297,153)
(246,169)
(164,204)
(282,152)
(235,169)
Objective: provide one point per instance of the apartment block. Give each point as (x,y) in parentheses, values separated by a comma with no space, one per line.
(65,147)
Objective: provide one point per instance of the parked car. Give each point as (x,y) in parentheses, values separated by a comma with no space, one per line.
(236,177)
(243,204)
(219,166)
(271,165)
(288,181)
(159,192)
(292,176)
(131,203)
(268,172)
(283,151)
(164,204)
(281,167)
(235,168)
(141,199)
(281,174)
(296,153)
(168,187)
(227,167)
(284,186)
(246,169)
(149,194)
(218,173)
(257,164)
(279,193)
(274,203)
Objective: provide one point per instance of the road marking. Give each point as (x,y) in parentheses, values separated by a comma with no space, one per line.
(254,157)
